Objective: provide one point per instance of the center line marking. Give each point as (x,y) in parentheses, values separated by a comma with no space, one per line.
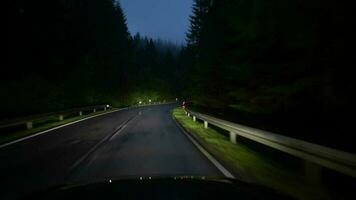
(107,138)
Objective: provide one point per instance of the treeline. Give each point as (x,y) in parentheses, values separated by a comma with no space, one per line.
(285,61)
(153,72)
(63,54)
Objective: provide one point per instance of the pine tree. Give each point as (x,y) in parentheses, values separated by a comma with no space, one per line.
(200,10)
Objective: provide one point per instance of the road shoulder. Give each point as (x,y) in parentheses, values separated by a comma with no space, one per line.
(248,165)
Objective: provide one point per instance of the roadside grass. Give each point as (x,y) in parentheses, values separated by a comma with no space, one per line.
(252,164)
(42,125)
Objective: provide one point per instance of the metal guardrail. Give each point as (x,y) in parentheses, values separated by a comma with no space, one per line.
(337,160)
(29,121)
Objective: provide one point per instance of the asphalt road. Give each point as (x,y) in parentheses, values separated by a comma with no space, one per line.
(130,143)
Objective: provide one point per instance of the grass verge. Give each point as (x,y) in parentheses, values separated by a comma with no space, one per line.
(242,159)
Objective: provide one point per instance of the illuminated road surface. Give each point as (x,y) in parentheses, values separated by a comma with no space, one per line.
(137,142)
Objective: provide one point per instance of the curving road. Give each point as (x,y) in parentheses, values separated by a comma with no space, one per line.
(137,142)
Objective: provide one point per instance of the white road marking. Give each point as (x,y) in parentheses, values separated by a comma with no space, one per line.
(107,138)
(122,127)
(81,159)
(216,163)
(74,142)
(58,127)
(117,132)
(64,125)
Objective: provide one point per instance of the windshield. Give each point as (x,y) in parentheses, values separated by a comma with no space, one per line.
(247,90)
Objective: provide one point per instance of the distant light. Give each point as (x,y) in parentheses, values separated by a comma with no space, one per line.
(110,181)
(150,178)
(149,100)
(176,99)
(140,178)
(107,106)
(140,102)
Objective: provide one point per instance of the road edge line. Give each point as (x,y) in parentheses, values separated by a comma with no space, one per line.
(214,161)
(57,127)
(70,123)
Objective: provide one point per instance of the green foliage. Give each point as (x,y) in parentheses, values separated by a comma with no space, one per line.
(64,54)
(270,56)
(200,10)
(253,164)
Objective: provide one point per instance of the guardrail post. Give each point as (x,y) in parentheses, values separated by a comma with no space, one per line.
(313,172)
(80,113)
(60,117)
(188,114)
(233,137)
(104,108)
(206,124)
(29,125)
(194,118)
(94,110)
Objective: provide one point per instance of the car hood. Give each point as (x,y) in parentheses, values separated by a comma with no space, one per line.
(175,187)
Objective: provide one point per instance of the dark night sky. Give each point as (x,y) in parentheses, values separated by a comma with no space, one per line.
(165,19)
